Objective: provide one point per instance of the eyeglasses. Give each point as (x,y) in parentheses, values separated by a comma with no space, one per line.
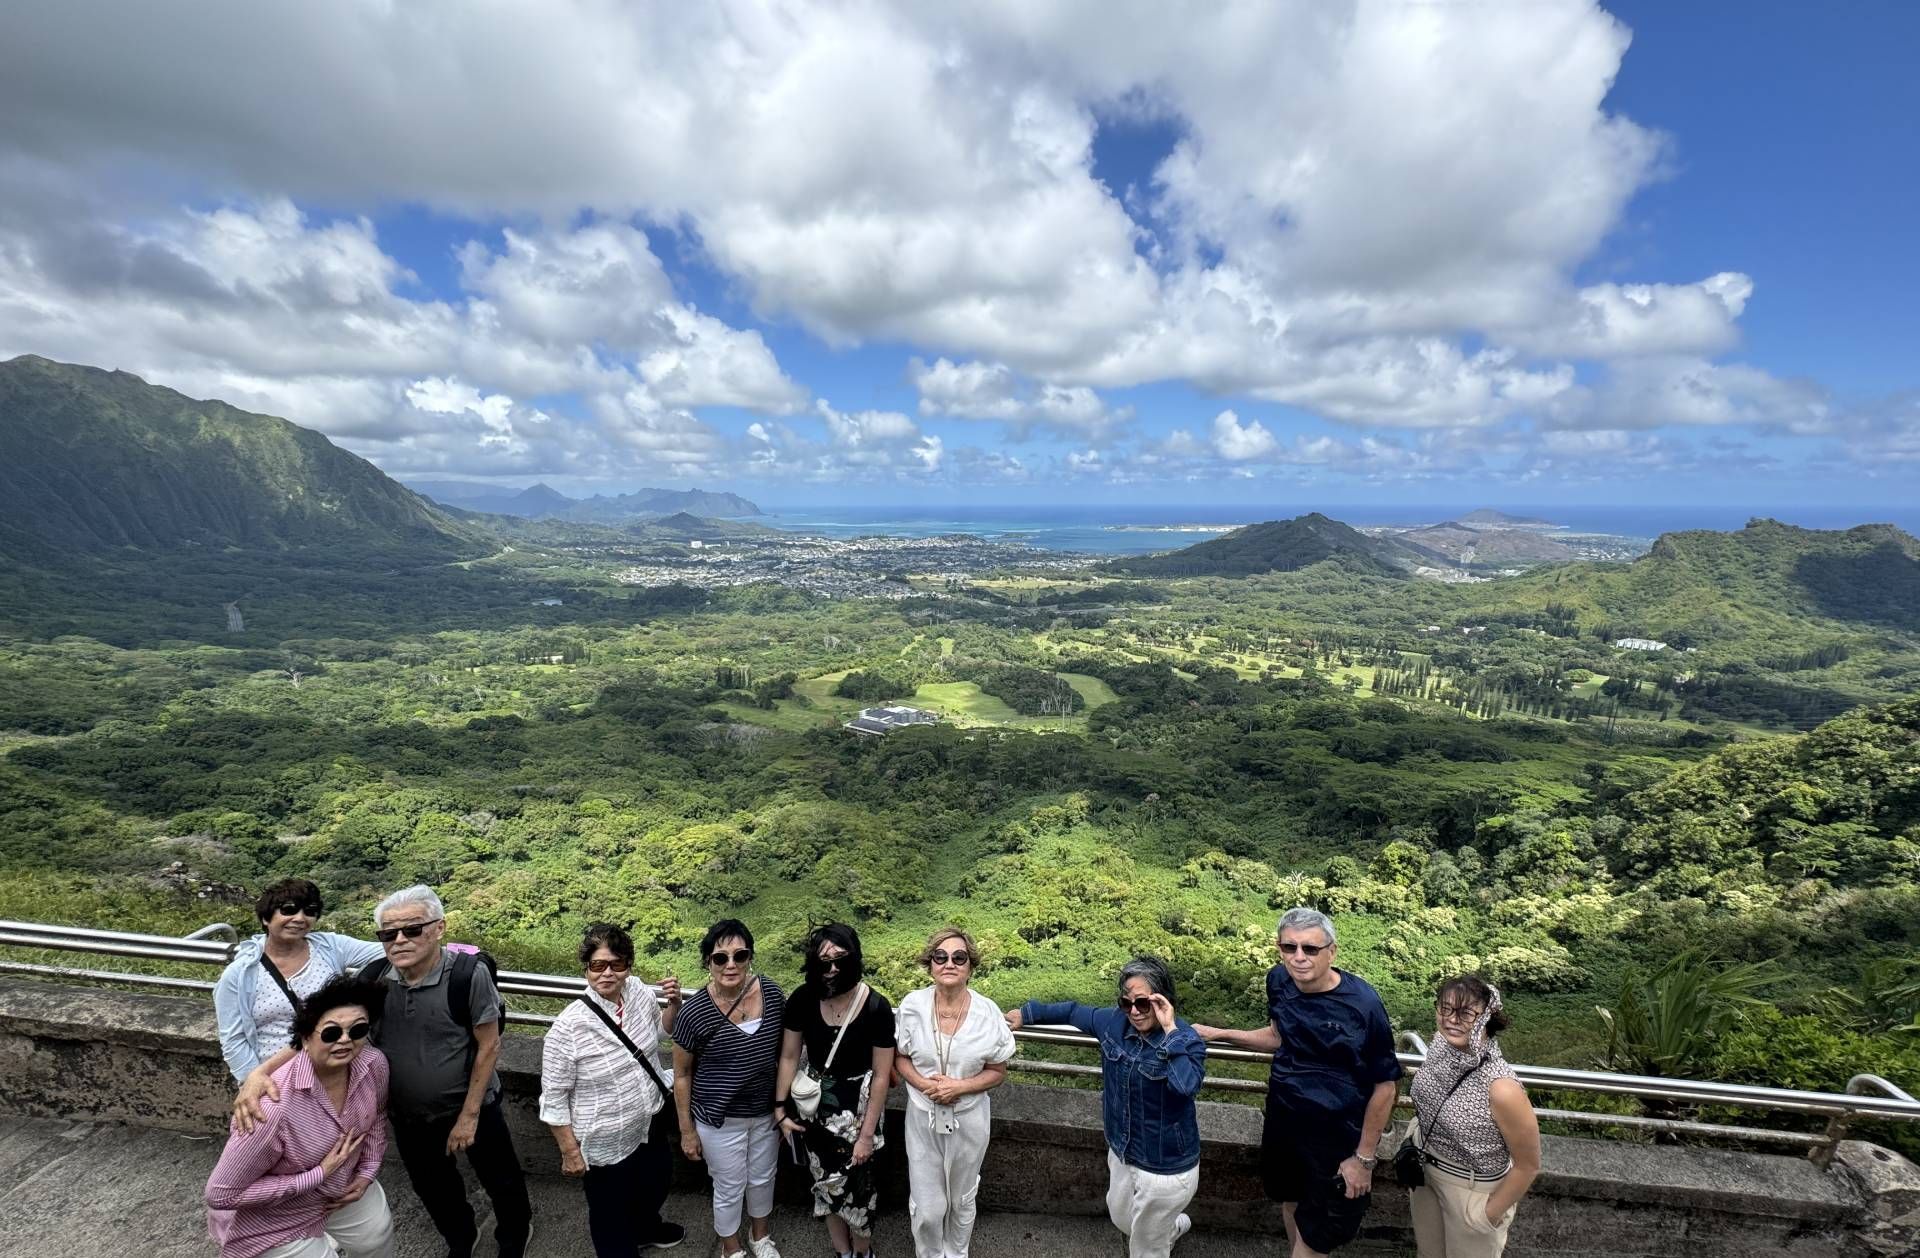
(412,932)
(1460,1013)
(331,1033)
(1312,950)
(1139,1004)
(293,908)
(617,965)
(831,963)
(960,957)
(741,957)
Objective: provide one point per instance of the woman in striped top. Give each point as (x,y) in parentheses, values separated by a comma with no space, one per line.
(600,1102)
(726,1052)
(1479,1139)
(300,1183)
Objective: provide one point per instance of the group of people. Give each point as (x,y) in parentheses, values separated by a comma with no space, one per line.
(323,1054)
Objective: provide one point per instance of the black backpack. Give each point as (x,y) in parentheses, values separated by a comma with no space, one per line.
(459,980)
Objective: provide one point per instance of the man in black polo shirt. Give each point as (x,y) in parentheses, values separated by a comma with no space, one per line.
(1331,1090)
(443,1094)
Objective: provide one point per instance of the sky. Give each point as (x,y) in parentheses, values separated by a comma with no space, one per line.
(1091,251)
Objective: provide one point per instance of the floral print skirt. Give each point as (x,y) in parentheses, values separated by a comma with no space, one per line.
(840,1187)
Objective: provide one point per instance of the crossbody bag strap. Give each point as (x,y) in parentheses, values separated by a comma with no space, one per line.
(861,1004)
(280,981)
(1448,1097)
(633,1048)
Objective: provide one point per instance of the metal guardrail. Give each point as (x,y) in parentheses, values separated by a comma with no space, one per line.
(1867,1096)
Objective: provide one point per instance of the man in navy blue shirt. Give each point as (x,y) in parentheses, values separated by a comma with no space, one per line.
(1331,1091)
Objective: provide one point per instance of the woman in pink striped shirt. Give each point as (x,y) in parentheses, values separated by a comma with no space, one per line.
(301,1183)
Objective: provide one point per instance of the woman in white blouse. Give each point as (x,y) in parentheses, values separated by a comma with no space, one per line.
(952,1048)
(600,1100)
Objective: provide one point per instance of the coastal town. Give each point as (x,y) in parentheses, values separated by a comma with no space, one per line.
(860,567)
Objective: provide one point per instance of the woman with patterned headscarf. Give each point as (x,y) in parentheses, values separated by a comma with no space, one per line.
(1478,1137)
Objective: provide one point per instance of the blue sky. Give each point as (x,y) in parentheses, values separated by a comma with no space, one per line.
(1538,253)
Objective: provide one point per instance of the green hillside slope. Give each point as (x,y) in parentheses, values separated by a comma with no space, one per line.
(92,460)
(1279,546)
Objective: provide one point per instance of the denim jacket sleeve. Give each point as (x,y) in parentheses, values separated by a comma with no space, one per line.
(1180,1059)
(1070,1012)
(233,1014)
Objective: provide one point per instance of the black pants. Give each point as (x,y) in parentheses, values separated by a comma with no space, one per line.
(1300,1162)
(624,1200)
(436,1180)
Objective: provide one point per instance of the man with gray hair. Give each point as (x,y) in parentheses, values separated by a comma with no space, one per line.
(441,1037)
(1331,1089)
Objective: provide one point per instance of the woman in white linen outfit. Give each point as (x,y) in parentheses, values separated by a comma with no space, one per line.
(953,1046)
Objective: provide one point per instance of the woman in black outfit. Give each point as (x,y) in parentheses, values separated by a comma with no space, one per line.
(847,1030)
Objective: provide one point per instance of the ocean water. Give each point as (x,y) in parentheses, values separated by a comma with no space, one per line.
(1132,530)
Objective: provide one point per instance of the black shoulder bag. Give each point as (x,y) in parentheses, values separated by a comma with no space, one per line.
(1409,1161)
(666,1093)
(280,980)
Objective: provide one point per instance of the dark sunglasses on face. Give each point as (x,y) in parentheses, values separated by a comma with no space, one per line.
(617,965)
(830,963)
(1138,1004)
(411,932)
(331,1033)
(291,908)
(957,958)
(1312,950)
(741,957)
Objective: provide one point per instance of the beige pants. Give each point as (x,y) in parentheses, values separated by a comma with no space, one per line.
(1450,1218)
(361,1230)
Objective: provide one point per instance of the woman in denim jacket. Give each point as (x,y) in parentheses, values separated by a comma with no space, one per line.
(1152,1063)
(251,1008)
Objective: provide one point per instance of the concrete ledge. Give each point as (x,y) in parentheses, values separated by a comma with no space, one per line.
(95,1055)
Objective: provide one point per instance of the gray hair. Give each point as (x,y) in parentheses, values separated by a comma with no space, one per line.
(418,894)
(1159,979)
(1304,918)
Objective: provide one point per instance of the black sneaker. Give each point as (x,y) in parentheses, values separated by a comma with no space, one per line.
(669,1235)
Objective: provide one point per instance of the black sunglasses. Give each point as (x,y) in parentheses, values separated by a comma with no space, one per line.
(1312,950)
(411,932)
(331,1033)
(830,963)
(1139,1004)
(958,957)
(600,966)
(741,957)
(289,908)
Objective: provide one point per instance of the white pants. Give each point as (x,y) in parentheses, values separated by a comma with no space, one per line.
(361,1230)
(742,1156)
(1144,1205)
(943,1172)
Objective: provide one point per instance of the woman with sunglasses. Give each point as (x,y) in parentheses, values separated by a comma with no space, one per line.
(1151,1064)
(953,1045)
(1478,1138)
(600,1101)
(847,1030)
(300,1183)
(726,1054)
(254,1000)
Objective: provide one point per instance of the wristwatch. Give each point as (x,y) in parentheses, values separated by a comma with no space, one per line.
(1367,1164)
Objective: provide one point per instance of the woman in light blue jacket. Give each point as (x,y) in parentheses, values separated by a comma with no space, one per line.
(254,999)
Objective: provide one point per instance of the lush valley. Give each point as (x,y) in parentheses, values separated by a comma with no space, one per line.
(1154,755)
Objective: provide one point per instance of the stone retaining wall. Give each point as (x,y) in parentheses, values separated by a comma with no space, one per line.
(83,1053)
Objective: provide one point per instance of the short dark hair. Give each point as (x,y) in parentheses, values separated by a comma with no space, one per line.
(1158,977)
(606,935)
(298,890)
(1473,990)
(841,936)
(725,928)
(341,992)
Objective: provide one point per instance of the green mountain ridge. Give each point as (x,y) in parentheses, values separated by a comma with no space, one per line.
(92,460)
(1284,546)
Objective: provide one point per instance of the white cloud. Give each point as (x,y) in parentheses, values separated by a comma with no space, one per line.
(992,391)
(1232,440)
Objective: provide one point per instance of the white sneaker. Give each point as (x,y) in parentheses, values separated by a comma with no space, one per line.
(1181,1226)
(762,1247)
